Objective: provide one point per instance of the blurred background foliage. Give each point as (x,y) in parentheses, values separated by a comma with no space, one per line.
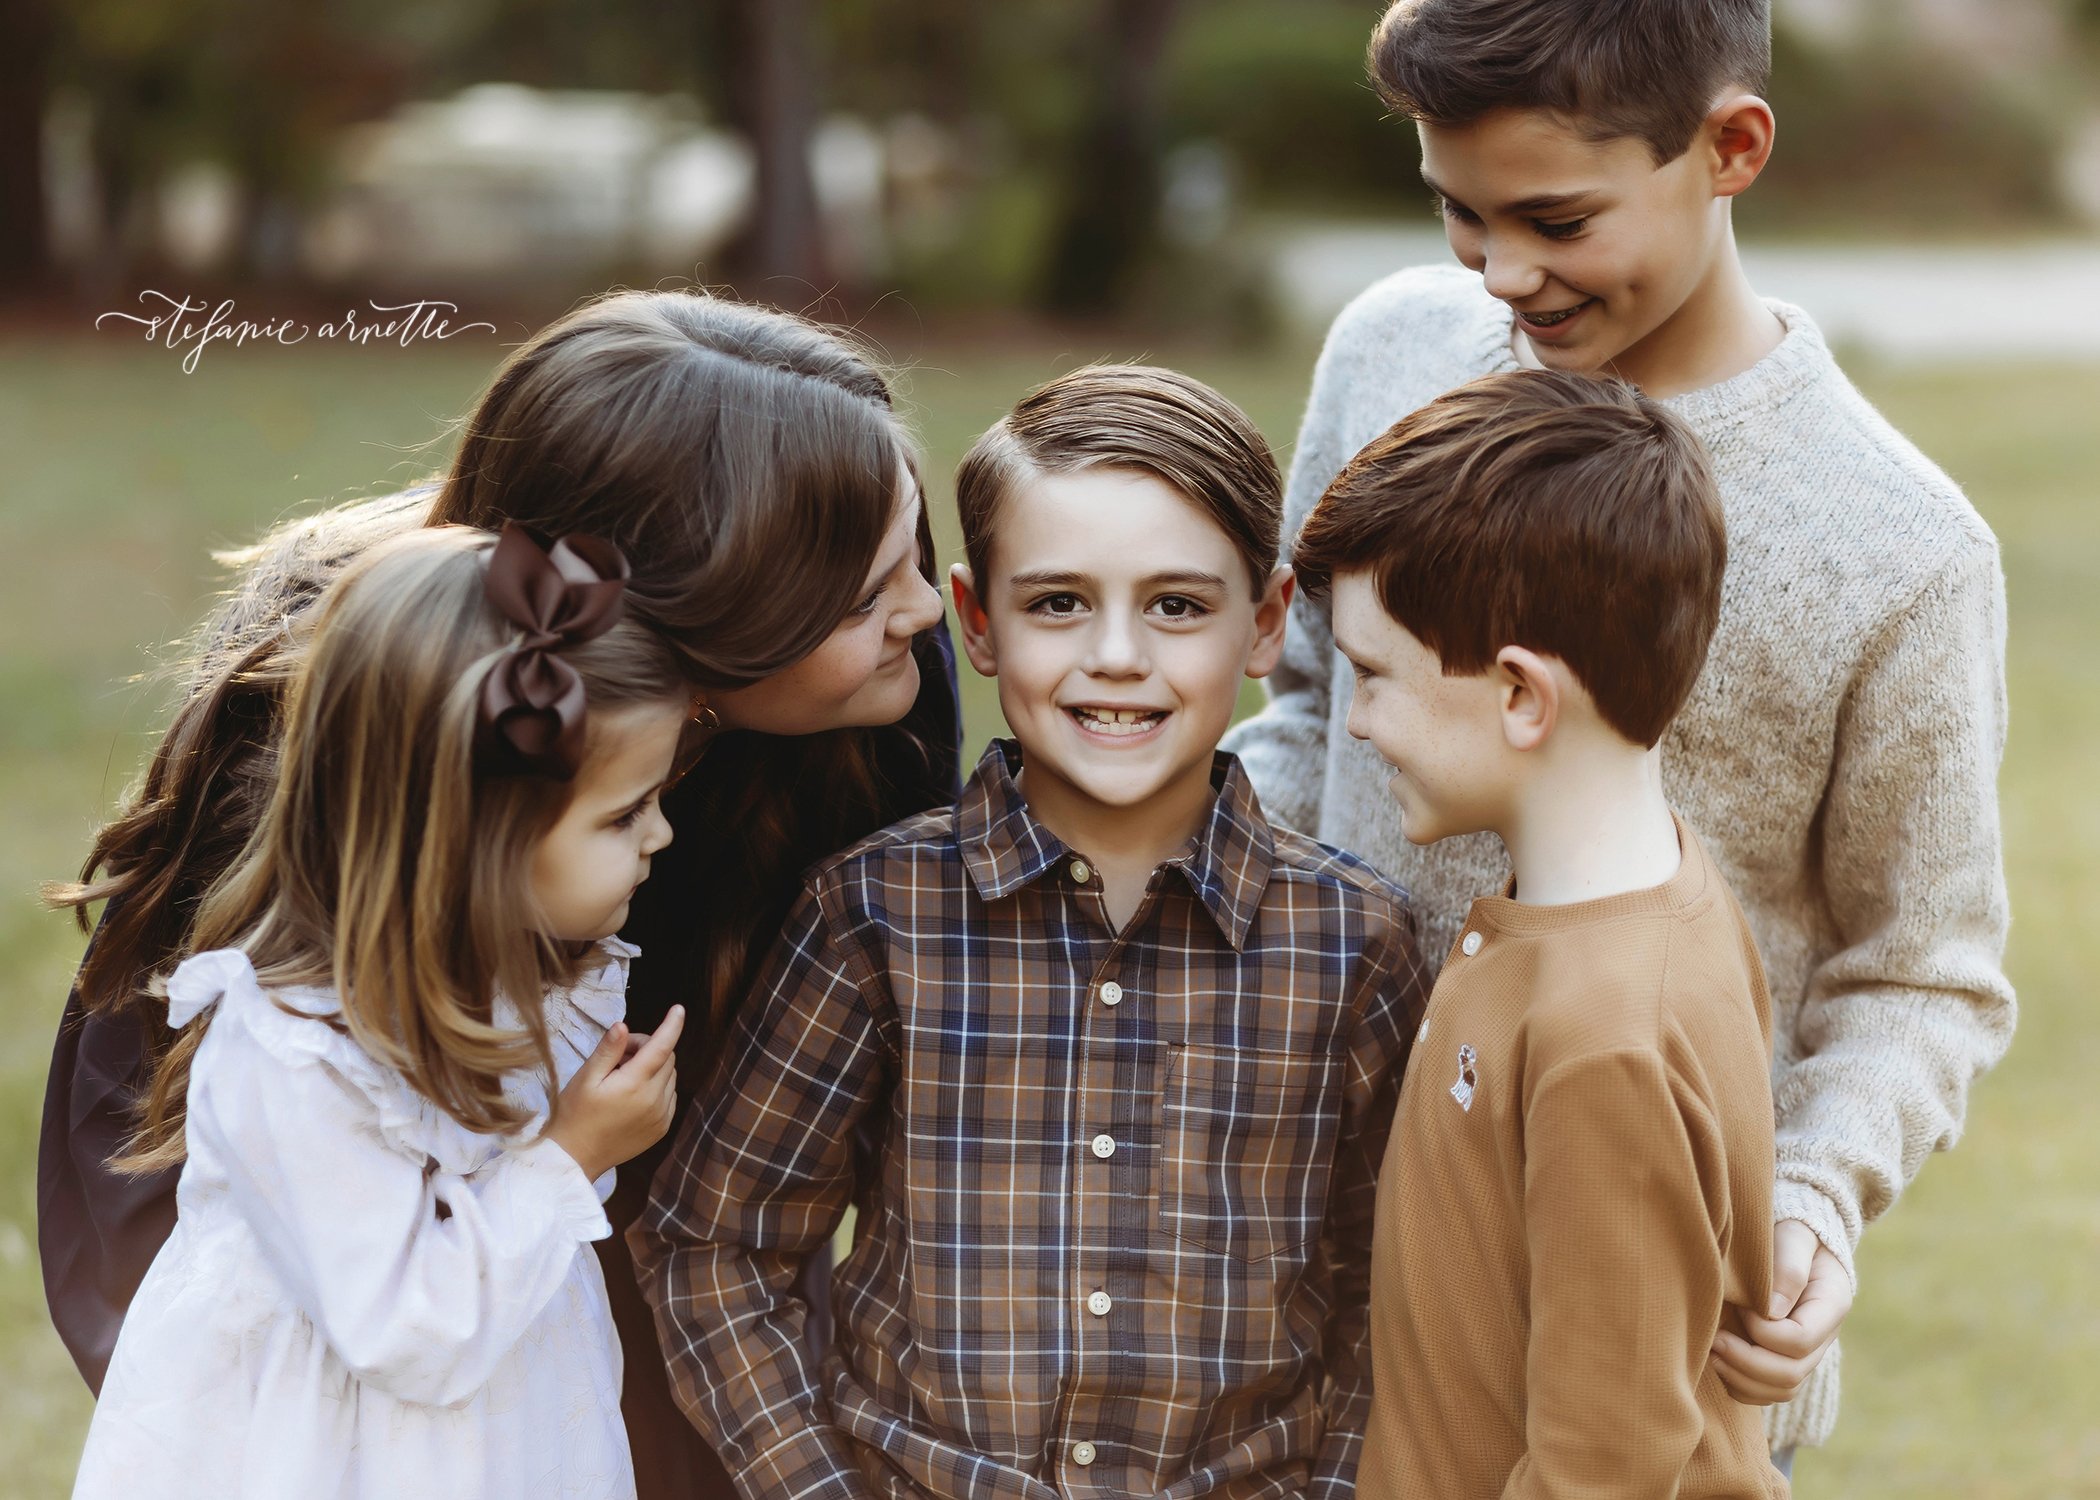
(1086,158)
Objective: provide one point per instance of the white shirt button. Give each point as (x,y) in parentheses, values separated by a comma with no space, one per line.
(1082,871)
(1099,1304)
(1422,1032)
(1082,1454)
(1111,993)
(1104,1146)
(1471,945)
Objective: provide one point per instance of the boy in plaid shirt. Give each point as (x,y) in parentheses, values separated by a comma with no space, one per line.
(1104,1060)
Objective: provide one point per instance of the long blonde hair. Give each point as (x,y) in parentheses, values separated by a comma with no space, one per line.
(388,862)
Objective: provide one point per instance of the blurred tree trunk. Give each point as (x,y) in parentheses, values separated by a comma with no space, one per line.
(770,52)
(26,34)
(1109,220)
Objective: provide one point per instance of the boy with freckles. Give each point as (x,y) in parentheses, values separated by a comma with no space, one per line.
(1580,1174)
(1103,1059)
(1839,753)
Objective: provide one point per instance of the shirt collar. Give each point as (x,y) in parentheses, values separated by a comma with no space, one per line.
(1003,847)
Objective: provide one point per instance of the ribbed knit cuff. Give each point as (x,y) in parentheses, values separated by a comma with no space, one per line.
(1793,1199)
(1808,1420)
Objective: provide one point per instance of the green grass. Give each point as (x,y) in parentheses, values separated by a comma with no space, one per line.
(1973,1359)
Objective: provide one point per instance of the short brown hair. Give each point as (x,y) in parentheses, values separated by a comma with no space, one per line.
(1649,69)
(1138,417)
(1564,513)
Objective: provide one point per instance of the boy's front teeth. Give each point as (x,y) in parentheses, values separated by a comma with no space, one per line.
(1117,720)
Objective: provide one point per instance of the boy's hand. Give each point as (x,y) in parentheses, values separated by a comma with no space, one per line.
(1810,1296)
(623,1098)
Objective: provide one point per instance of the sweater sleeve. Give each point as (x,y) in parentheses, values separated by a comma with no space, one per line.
(1284,747)
(1914,1003)
(1626,1279)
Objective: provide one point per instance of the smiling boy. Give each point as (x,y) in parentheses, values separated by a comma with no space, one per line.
(1580,1174)
(1104,1060)
(1839,753)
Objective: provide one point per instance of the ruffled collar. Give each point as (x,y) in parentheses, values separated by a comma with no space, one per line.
(201,981)
(601,994)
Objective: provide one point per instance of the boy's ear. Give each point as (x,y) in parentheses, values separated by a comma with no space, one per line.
(1738,137)
(1271,613)
(976,624)
(1530,697)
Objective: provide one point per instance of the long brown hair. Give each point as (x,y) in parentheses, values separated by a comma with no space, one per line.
(744,459)
(389,862)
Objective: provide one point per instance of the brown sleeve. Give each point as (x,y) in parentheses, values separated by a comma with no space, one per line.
(1626,1279)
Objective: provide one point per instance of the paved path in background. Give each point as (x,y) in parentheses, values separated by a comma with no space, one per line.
(1913,304)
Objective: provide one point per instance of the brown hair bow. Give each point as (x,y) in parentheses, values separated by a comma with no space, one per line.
(532,704)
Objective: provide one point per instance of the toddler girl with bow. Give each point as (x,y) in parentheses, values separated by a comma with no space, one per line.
(402,1080)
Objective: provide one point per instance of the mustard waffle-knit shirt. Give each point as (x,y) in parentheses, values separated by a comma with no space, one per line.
(1579,1178)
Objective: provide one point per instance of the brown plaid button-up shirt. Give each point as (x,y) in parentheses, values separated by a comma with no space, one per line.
(1115,1189)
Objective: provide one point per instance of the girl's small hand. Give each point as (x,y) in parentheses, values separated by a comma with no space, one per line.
(619,1105)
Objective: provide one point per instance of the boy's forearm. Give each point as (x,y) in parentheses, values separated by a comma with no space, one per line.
(1377,1059)
(731,1333)
(719,1260)
(1347,1399)
(1899,1022)
(809,1459)
(755,1184)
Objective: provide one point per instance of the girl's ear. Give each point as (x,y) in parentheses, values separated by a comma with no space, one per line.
(1271,613)
(976,624)
(1530,697)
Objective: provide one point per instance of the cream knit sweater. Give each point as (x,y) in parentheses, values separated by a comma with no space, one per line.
(1839,755)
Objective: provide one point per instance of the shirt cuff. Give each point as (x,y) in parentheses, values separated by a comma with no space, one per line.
(1792,1199)
(571,1200)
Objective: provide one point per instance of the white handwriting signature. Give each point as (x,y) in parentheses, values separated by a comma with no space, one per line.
(177,324)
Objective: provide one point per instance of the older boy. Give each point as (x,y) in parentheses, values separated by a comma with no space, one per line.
(1524,575)
(1841,750)
(1122,1056)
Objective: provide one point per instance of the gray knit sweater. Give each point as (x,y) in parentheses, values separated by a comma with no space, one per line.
(1839,755)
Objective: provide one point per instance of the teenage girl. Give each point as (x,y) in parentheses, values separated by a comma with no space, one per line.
(751,466)
(401,1063)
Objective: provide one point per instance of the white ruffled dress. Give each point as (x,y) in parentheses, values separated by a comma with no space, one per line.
(361,1297)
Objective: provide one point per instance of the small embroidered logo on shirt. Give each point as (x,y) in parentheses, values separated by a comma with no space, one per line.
(1462,1090)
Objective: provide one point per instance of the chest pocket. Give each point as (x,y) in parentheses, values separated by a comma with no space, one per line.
(1248,1140)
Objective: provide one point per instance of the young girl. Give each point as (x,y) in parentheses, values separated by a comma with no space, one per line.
(380,1282)
(723,448)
